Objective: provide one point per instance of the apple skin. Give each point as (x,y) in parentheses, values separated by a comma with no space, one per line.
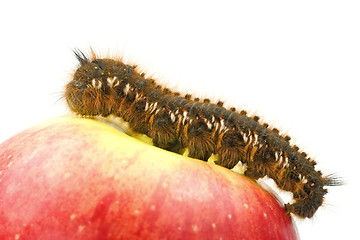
(72,178)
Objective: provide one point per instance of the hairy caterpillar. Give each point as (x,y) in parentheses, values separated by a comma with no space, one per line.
(101,87)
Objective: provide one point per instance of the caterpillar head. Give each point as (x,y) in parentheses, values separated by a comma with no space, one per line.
(91,91)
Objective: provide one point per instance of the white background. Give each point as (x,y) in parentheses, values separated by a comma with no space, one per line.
(295,63)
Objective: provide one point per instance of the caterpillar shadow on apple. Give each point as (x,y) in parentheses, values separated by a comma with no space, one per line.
(109,87)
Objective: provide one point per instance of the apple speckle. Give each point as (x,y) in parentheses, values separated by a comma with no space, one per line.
(213,225)
(195,228)
(10,163)
(265,215)
(124,162)
(73,216)
(81,228)
(67,175)
(229,216)
(246,206)
(153,207)
(179,228)
(211,196)
(136,212)
(17,236)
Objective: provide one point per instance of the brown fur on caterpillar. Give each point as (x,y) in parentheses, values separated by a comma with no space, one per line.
(101,87)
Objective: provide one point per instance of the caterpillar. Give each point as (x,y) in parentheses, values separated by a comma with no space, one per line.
(103,87)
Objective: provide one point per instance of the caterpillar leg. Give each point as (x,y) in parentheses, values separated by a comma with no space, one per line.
(260,162)
(305,208)
(254,172)
(137,118)
(308,197)
(162,132)
(199,140)
(230,149)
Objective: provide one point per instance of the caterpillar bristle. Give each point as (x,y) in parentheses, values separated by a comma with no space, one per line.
(296,148)
(312,161)
(276,131)
(333,180)
(287,138)
(81,57)
(243,112)
(220,104)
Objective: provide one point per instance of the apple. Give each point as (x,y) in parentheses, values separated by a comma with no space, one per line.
(72,178)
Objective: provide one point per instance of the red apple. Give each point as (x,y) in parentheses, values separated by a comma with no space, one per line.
(71,178)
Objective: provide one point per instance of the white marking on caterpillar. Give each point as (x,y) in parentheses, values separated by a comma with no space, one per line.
(185,113)
(172,117)
(157,111)
(126,89)
(250,139)
(138,96)
(255,142)
(209,125)
(216,126)
(222,125)
(99,84)
(304,180)
(111,81)
(281,160)
(286,163)
(276,156)
(180,118)
(153,107)
(246,138)
(96,83)
(146,106)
